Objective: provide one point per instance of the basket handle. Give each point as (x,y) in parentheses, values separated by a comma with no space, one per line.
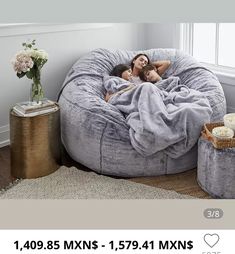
(206,136)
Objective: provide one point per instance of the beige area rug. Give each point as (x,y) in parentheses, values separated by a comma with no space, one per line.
(72,183)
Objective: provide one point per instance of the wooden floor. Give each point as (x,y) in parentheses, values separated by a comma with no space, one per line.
(184,183)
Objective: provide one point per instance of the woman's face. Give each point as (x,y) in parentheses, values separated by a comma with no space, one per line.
(140,62)
(127,74)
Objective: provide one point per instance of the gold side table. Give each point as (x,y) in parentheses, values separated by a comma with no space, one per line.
(35,144)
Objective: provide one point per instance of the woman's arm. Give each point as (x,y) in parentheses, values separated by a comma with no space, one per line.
(162,66)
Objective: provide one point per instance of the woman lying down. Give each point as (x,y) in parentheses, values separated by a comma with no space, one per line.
(163,114)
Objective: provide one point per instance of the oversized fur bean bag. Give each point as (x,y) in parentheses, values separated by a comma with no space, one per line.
(96,134)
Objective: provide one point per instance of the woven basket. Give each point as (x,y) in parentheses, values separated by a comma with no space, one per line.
(218,143)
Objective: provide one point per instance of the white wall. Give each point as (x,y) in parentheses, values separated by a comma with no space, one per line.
(229,91)
(162,35)
(64,48)
(228,84)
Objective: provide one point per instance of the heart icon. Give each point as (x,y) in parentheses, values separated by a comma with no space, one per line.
(211,239)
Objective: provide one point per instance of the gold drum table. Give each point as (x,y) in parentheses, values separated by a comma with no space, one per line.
(35,144)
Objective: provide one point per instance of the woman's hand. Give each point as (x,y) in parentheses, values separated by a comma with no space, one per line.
(162,66)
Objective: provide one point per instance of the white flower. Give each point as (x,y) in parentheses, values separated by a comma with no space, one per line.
(30,52)
(42,54)
(37,53)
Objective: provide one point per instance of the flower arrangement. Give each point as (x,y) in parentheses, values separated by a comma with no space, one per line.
(29,62)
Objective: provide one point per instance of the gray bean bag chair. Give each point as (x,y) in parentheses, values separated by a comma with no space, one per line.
(95,133)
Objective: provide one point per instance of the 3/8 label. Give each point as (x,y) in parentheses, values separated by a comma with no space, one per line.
(213,213)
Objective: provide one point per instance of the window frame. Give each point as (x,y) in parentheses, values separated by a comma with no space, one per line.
(224,73)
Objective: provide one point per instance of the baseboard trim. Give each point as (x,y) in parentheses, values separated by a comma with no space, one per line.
(4,136)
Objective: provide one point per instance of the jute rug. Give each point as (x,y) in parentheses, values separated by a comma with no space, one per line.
(72,183)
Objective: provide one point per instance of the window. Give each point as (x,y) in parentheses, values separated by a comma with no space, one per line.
(211,43)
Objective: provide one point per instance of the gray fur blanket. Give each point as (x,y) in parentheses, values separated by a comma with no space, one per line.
(163,116)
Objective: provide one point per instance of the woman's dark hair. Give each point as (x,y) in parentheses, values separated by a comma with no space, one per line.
(119,69)
(141,54)
(145,69)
